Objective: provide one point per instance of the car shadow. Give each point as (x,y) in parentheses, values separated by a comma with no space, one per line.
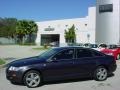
(73,80)
(111,75)
(19,84)
(64,81)
(57,81)
(67,81)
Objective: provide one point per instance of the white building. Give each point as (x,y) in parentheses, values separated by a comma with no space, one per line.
(108,21)
(102,25)
(53,31)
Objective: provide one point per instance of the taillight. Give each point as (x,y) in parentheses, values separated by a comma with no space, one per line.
(114,59)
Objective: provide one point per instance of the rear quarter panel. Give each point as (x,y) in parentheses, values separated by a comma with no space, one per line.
(108,62)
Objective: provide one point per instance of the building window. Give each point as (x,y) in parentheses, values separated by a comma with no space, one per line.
(85,24)
(106,8)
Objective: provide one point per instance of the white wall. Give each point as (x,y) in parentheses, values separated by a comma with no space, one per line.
(92,23)
(61,25)
(107,23)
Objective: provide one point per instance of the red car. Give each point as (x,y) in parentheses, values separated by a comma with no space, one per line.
(113,50)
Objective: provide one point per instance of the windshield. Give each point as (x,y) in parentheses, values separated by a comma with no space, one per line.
(47,54)
(93,46)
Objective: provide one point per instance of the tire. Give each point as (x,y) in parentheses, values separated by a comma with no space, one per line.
(32,79)
(118,56)
(100,73)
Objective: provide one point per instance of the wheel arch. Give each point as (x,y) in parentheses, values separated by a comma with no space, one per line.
(101,65)
(40,72)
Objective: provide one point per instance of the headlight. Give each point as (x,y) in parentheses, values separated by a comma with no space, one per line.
(12,68)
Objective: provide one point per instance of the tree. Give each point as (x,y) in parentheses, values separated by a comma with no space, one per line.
(17,29)
(70,35)
(25,27)
(32,29)
(21,30)
(8,27)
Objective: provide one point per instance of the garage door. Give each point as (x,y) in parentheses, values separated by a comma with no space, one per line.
(50,39)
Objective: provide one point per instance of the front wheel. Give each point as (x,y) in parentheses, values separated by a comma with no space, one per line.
(100,73)
(32,79)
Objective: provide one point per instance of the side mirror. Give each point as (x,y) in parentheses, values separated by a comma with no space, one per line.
(53,60)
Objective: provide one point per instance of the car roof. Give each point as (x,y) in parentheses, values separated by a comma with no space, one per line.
(69,47)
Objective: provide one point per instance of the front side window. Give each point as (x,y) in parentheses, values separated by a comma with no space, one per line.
(47,54)
(81,53)
(65,54)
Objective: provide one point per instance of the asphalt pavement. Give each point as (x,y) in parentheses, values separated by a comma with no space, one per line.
(112,83)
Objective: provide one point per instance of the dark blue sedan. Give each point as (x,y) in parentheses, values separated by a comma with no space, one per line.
(60,64)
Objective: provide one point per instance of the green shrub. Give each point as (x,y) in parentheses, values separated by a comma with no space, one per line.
(2,61)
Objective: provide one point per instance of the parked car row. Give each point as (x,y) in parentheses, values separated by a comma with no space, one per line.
(113,50)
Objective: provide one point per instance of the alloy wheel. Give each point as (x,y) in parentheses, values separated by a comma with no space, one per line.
(101,74)
(32,79)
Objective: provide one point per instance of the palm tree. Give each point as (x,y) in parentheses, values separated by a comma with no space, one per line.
(21,30)
(25,27)
(32,29)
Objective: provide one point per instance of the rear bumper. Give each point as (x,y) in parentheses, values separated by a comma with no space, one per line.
(112,68)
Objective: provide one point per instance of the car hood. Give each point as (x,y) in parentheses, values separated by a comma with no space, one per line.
(27,61)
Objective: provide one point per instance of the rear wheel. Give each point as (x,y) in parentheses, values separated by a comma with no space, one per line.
(100,73)
(32,79)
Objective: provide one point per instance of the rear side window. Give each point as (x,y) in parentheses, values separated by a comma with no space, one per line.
(95,53)
(81,53)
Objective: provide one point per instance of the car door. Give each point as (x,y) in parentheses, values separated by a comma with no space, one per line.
(84,63)
(61,65)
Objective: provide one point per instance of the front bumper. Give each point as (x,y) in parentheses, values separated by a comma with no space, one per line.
(14,76)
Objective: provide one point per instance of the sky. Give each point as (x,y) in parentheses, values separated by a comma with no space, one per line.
(44,10)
